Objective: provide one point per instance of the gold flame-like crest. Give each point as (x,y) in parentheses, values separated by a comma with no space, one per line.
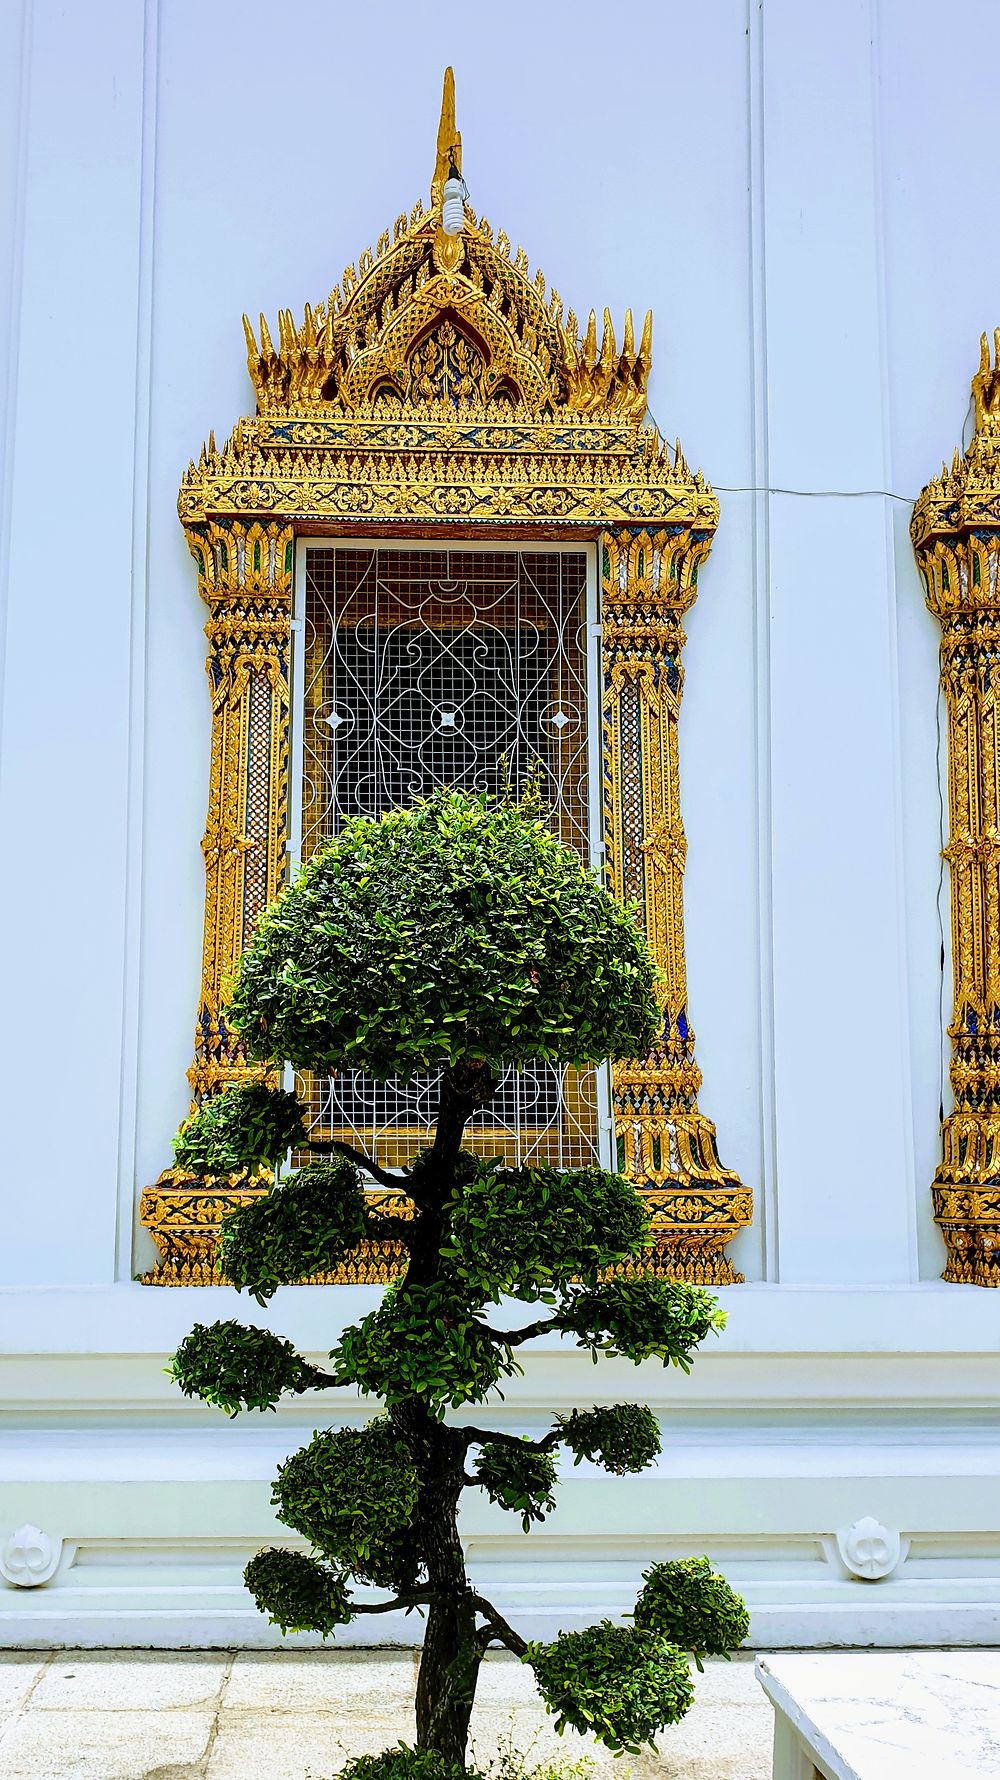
(354,350)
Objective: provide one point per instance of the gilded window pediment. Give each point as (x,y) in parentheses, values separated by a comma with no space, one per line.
(440,382)
(351,353)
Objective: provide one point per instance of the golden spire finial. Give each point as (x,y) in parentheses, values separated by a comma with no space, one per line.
(986,390)
(449,142)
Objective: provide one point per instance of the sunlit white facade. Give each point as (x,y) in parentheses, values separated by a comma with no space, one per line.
(806,197)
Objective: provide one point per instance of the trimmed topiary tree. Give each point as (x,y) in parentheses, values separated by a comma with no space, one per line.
(458,936)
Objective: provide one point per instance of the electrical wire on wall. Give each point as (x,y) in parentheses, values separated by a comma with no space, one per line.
(968,426)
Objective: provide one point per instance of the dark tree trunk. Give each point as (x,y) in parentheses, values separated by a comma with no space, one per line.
(446,1685)
(449,1664)
(452,1651)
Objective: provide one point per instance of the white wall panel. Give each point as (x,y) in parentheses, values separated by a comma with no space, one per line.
(66,691)
(15,51)
(814,1408)
(842,1074)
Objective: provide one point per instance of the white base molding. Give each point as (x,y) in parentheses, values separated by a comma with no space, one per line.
(163,1606)
(850,1493)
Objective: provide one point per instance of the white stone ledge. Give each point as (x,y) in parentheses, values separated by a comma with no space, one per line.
(928,1318)
(199,1618)
(885,1353)
(251,1448)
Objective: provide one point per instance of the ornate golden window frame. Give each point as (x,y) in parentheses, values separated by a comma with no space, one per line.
(546,441)
(956,537)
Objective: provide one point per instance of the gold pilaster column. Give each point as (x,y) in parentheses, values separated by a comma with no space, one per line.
(649,579)
(956,537)
(245,576)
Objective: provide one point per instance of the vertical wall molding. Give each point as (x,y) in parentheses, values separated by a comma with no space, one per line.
(760,541)
(135,804)
(22,52)
(894,514)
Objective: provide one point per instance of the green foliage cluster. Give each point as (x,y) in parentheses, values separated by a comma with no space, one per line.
(621,1683)
(518,1479)
(482,937)
(306,1224)
(620,1436)
(520,1230)
(405,1763)
(297,1593)
(352,1493)
(641,1319)
(690,1603)
(508,1763)
(423,1341)
(242,1128)
(236,1367)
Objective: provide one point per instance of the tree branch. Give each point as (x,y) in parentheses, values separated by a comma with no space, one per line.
(487,1437)
(368,1163)
(496,1629)
(318,1382)
(407,1601)
(514,1337)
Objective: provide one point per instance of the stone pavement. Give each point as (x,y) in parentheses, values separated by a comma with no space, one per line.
(297,1715)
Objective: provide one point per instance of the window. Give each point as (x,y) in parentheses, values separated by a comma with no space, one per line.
(418,667)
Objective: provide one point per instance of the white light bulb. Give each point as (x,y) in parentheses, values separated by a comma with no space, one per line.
(453,208)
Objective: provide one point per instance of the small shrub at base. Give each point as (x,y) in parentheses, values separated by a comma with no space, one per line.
(403,1762)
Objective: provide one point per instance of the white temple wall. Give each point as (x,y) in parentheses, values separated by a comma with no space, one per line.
(805,195)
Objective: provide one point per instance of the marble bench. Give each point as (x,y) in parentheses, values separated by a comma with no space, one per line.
(885,1715)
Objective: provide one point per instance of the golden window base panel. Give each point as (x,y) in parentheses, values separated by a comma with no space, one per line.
(373,1264)
(968,1215)
(691,1226)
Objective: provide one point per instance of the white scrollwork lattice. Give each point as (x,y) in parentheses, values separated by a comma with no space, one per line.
(448,667)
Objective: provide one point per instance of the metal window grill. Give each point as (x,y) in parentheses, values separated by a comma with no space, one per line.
(426,667)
